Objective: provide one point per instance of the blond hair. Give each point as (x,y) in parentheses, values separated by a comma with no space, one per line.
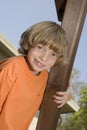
(45,33)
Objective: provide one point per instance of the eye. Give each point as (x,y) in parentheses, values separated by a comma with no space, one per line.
(54,55)
(40,47)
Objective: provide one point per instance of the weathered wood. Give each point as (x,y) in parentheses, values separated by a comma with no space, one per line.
(73,21)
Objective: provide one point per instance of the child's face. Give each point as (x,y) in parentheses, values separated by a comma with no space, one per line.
(41,58)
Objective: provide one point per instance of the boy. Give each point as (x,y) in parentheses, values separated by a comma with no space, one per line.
(23,78)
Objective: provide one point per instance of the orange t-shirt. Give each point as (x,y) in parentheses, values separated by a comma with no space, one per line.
(21,93)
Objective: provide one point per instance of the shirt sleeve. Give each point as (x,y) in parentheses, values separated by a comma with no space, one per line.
(6,83)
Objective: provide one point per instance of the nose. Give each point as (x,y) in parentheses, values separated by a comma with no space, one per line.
(44,56)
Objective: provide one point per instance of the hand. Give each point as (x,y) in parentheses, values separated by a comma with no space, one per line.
(62,97)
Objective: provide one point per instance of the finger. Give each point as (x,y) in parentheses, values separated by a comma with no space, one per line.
(61,93)
(58,97)
(61,105)
(59,101)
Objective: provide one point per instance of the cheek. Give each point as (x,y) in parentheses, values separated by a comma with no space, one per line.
(30,55)
(31,52)
(51,62)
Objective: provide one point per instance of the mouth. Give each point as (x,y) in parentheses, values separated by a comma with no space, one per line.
(38,63)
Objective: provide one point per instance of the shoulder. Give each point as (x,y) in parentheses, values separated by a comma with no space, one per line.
(11,62)
(11,66)
(45,74)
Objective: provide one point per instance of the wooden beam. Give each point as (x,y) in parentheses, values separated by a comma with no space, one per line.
(73,21)
(6,48)
(60,8)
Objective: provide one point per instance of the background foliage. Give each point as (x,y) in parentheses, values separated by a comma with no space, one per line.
(77,120)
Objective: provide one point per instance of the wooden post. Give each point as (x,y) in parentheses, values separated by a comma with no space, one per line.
(73,21)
